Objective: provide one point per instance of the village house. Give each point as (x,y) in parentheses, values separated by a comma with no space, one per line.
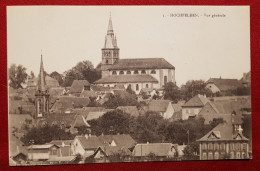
(65,104)
(66,147)
(222,85)
(193,106)
(18,153)
(78,86)
(102,154)
(161,150)
(87,145)
(225,141)
(137,73)
(223,109)
(43,152)
(163,107)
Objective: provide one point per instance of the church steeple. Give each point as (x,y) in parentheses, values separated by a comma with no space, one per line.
(41,80)
(110,51)
(110,27)
(41,95)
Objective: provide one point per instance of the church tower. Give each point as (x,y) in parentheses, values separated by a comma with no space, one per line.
(41,95)
(110,51)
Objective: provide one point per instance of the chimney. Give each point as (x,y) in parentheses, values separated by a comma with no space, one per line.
(147,142)
(89,135)
(240,130)
(17,147)
(62,144)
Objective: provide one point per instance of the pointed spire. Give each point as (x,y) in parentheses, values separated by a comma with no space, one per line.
(110,27)
(41,79)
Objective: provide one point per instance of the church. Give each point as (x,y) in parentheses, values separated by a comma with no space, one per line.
(138,73)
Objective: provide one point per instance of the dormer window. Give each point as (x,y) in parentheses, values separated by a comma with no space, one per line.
(128,72)
(121,72)
(143,72)
(136,72)
(153,72)
(114,73)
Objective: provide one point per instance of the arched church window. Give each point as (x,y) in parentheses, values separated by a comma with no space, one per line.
(114,73)
(165,80)
(153,72)
(121,72)
(147,85)
(136,72)
(137,87)
(143,72)
(128,72)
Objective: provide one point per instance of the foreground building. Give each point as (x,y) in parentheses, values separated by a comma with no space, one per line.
(225,141)
(137,73)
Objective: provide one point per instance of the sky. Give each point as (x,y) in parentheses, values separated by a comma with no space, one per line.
(200,47)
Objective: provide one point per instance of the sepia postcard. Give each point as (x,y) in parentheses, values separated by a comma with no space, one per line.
(103,84)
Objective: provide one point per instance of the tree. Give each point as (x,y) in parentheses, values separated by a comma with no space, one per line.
(190,151)
(45,134)
(247,126)
(194,87)
(17,76)
(148,128)
(122,99)
(113,122)
(172,92)
(83,70)
(32,76)
(57,77)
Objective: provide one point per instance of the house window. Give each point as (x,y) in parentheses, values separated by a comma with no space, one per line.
(216,156)
(210,157)
(136,72)
(54,152)
(143,72)
(204,146)
(210,146)
(165,79)
(243,155)
(237,146)
(222,146)
(147,85)
(128,72)
(153,72)
(204,156)
(114,73)
(106,61)
(216,146)
(238,155)
(244,146)
(137,87)
(231,155)
(231,146)
(121,72)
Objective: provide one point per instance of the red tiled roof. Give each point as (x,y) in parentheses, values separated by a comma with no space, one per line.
(92,142)
(126,79)
(196,101)
(121,140)
(159,149)
(78,85)
(224,132)
(141,63)
(158,105)
(225,84)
